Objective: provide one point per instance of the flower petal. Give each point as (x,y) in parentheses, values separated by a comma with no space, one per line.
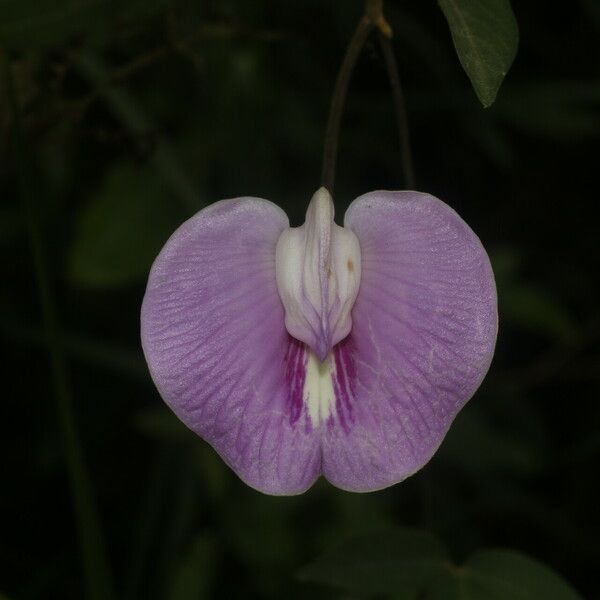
(424,330)
(214,338)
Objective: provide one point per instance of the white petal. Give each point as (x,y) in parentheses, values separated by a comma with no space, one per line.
(318,269)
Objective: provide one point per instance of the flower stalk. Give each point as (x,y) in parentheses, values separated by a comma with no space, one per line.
(338,101)
(372,19)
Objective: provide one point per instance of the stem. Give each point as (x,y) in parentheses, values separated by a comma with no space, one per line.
(374,10)
(400,108)
(340,91)
(95,565)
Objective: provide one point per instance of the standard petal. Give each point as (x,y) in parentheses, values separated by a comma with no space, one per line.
(423,336)
(214,338)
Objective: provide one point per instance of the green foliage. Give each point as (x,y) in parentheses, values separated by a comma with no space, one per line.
(121,229)
(407,564)
(399,562)
(485,36)
(502,574)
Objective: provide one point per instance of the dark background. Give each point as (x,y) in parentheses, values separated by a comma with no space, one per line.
(133,116)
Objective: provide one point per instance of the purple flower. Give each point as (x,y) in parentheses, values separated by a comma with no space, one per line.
(321,350)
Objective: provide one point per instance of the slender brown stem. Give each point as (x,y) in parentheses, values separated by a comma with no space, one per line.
(332,133)
(400,108)
(372,19)
(374,10)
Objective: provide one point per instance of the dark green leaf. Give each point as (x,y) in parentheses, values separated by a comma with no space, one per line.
(407,564)
(122,229)
(504,574)
(485,36)
(400,562)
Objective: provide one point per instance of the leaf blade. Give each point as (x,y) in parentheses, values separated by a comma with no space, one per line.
(497,574)
(399,562)
(121,229)
(485,36)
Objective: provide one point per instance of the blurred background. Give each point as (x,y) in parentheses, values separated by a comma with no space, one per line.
(134,115)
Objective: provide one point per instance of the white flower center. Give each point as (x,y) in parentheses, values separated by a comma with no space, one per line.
(318,393)
(318,270)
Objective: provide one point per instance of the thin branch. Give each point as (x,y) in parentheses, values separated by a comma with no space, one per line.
(400,109)
(372,19)
(374,10)
(338,100)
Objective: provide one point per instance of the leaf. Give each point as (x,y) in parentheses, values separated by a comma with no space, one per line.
(396,561)
(485,35)
(121,230)
(502,574)
(407,564)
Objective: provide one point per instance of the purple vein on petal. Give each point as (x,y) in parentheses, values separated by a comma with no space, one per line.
(295,377)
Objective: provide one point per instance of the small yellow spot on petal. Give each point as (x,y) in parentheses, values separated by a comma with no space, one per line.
(350,265)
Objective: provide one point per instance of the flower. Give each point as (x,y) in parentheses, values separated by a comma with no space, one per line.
(321,350)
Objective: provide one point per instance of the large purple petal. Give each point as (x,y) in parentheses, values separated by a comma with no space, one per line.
(214,338)
(424,330)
